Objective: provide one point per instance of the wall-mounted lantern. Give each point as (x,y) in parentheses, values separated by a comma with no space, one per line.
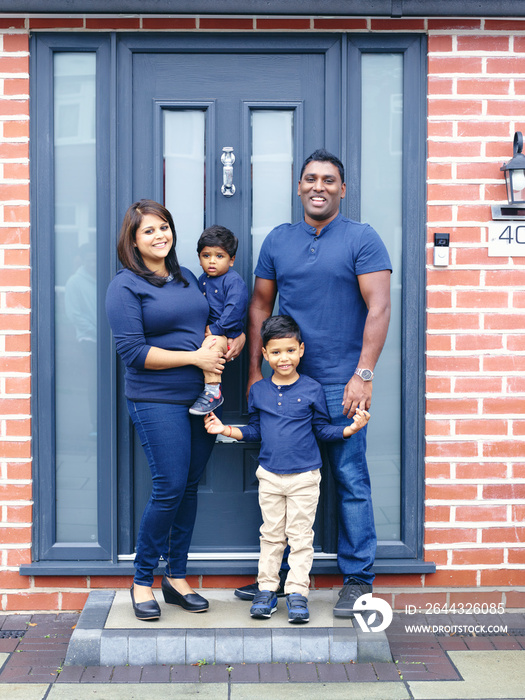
(506,231)
(515,173)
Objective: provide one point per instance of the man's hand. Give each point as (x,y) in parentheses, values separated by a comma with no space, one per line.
(253,376)
(235,345)
(358,394)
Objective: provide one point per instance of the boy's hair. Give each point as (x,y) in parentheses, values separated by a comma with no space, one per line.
(321,155)
(219,236)
(280,327)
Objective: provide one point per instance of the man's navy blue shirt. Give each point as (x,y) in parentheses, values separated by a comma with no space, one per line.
(318,287)
(287,419)
(227,296)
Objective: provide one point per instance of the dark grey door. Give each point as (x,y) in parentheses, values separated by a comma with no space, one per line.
(268,101)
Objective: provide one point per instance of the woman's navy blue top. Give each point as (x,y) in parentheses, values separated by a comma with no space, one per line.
(172,317)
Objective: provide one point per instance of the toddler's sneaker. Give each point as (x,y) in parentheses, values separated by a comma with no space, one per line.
(264,604)
(297,605)
(206,403)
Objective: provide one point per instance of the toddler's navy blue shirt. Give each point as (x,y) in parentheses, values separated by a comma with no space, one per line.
(287,419)
(227,296)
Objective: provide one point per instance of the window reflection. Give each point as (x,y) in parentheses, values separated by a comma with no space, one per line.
(75,297)
(272,161)
(184,179)
(381,206)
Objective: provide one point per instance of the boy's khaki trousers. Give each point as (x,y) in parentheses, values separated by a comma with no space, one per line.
(288,505)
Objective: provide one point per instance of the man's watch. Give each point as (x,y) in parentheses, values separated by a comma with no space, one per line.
(366,374)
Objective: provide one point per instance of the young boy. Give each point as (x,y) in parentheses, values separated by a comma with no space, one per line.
(287,412)
(227,297)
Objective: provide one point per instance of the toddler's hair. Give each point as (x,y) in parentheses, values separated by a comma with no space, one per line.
(219,236)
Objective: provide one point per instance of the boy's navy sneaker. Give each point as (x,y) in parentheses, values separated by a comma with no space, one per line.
(297,605)
(206,403)
(264,604)
(249,592)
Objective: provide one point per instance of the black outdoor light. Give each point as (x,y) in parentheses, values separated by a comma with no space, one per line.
(515,172)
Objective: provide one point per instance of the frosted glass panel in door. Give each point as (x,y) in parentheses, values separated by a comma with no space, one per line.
(75,209)
(184,180)
(381,206)
(272,161)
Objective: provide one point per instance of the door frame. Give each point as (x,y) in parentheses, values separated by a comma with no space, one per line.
(115,53)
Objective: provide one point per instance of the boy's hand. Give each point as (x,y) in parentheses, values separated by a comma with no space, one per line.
(212,424)
(361,418)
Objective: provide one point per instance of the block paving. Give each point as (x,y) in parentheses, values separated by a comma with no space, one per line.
(38,657)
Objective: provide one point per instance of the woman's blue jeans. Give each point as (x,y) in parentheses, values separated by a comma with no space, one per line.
(357,541)
(177,448)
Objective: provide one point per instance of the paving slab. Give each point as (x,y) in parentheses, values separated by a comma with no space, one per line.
(486,674)
(141,691)
(226,612)
(23,691)
(313,691)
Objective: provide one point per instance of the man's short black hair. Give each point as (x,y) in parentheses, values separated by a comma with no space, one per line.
(321,155)
(280,327)
(218,236)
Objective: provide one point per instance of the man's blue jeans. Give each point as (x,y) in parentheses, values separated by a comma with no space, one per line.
(357,536)
(177,448)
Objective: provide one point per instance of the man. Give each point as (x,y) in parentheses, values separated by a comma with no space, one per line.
(333,278)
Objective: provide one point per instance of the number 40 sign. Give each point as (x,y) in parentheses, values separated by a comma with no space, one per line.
(507,239)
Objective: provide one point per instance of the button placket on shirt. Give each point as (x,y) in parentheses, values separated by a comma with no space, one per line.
(313,245)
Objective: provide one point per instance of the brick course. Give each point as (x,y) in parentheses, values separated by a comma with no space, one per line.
(475,381)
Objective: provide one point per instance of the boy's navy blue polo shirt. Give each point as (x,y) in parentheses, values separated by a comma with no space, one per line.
(318,287)
(227,297)
(287,419)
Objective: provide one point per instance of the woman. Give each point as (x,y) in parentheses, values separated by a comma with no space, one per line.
(158,317)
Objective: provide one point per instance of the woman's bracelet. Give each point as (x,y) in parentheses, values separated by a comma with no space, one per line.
(231,430)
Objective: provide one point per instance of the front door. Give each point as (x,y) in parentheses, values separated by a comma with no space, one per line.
(218,137)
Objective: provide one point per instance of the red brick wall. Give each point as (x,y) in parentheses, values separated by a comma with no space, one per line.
(475,525)
(475,383)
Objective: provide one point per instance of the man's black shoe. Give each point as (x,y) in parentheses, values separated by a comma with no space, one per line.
(248,592)
(349,593)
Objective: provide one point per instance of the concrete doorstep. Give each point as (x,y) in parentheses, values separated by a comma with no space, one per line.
(109,634)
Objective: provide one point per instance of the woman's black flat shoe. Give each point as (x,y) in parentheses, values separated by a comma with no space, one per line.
(192,602)
(149,610)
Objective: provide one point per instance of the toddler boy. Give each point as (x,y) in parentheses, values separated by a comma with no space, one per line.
(287,412)
(227,297)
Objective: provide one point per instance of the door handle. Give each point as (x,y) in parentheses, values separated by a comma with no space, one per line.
(227,160)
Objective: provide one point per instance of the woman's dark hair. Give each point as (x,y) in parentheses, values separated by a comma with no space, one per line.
(279,327)
(219,236)
(324,156)
(129,254)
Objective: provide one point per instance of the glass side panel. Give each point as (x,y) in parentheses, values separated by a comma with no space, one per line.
(75,297)
(272,161)
(381,206)
(185,179)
